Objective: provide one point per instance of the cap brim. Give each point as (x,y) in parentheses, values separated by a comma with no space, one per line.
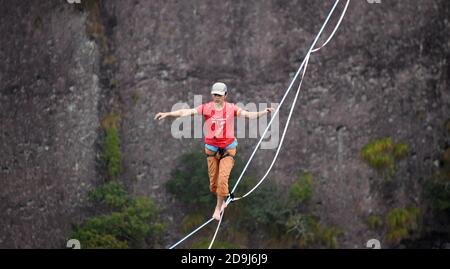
(219,93)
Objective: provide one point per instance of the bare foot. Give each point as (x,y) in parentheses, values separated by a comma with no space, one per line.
(216,214)
(224,205)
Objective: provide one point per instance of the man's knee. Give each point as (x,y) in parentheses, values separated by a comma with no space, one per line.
(213,188)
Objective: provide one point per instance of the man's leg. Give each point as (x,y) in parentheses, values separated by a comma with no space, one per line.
(213,172)
(225,166)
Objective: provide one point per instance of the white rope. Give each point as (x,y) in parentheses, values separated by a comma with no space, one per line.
(285,95)
(302,66)
(193,232)
(295,99)
(287,123)
(335,28)
(282,137)
(276,154)
(217,229)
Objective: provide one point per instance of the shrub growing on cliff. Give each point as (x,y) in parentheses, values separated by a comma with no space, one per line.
(134,224)
(438,186)
(191,222)
(190,182)
(112,194)
(309,233)
(111,154)
(301,189)
(266,209)
(263,215)
(402,222)
(383,154)
(374,222)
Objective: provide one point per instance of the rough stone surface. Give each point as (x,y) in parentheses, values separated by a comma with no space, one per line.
(384,74)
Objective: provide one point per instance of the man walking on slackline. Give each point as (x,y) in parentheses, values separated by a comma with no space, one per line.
(220,143)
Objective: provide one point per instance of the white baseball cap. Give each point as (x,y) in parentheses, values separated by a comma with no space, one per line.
(219,88)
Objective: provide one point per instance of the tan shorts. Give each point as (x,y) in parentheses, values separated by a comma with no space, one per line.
(219,171)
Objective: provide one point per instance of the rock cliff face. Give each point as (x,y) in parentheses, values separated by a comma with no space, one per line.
(64,67)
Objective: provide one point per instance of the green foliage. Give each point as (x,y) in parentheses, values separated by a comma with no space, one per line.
(266,209)
(112,194)
(447,126)
(113,83)
(111,153)
(130,227)
(374,222)
(135,95)
(310,233)
(438,191)
(400,151)
(90,239)
(204,244)
(190,182)
(191,221)
(328,236)
(401,223)
(383,154)
(302,228)
(437,188)
(262,215)
(301,189)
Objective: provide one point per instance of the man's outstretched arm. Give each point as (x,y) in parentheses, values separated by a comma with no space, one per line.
(254,115)
(176,113)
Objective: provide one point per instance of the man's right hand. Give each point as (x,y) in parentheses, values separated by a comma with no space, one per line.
(161,115)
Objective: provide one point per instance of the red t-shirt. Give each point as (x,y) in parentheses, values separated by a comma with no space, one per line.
(219,124)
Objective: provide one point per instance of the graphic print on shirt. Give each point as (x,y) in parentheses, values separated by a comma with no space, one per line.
(217,125)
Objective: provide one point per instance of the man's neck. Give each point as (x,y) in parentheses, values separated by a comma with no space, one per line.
(219,105)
